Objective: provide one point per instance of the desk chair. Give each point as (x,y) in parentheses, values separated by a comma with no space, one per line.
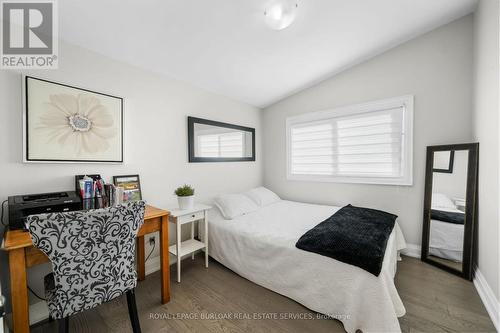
(92,255)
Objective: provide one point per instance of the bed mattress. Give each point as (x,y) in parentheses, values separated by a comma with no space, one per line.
(260,246)
(446,239)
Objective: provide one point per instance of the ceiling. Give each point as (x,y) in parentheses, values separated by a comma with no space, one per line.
(225,47)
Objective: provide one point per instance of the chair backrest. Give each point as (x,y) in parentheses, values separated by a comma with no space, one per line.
(92,254)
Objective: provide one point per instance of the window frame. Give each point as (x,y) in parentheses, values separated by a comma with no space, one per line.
(406,101)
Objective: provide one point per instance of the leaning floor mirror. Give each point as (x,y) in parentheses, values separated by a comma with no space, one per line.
(450,207)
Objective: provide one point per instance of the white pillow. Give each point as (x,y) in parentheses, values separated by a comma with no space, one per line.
(234,205)
(262,196)
(440,200)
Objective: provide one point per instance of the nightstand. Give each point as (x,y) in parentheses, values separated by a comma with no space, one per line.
(185,216)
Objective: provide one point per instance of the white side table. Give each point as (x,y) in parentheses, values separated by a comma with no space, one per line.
(184,216)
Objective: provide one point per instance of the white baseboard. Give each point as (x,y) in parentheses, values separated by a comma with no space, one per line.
(412,250)
(488,297)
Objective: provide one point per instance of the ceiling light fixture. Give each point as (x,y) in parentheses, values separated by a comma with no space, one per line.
(280,14)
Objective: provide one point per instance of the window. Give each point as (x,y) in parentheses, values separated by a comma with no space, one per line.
(365,143)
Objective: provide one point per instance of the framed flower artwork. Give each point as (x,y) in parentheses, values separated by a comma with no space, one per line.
(69,124)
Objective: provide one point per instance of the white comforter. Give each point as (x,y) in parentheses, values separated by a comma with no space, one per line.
(447,239)
(260,246)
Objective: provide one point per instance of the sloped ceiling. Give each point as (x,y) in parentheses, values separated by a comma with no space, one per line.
(225,47)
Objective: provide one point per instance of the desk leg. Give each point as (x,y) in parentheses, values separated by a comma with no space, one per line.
(19,291)
(141,261)
(164,261)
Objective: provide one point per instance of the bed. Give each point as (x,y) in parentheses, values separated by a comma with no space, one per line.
(446,239)
(260,246)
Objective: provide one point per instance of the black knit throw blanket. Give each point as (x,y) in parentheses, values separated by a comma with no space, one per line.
(354,235)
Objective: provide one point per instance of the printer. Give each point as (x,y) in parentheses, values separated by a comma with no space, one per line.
(20,206)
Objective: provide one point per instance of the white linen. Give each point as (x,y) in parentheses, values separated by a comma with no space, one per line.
(440,201)
(446,239)
(234,205)
(262,196)
(260,246)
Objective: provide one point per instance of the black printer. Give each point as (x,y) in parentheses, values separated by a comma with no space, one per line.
(20,206)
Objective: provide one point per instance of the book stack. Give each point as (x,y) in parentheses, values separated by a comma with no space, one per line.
(95,193)
(110,192)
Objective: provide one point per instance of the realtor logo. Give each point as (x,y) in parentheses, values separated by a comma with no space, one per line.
(29,34)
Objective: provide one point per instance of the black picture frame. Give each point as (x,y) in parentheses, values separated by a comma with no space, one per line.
(191,141)
(116,182)
(27,157)
(470,225)
(450,164)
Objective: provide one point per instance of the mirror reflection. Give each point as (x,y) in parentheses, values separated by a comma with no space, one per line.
(447,220)
(214,141)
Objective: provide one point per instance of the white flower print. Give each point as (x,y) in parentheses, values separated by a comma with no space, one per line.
(78,121)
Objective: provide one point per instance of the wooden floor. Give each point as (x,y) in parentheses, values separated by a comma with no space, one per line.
(435,301)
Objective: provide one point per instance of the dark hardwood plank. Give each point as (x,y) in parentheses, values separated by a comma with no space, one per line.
(435,301)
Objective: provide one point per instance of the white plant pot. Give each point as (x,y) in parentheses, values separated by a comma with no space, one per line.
(186,202)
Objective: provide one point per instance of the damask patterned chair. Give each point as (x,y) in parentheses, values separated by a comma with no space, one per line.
(93,258)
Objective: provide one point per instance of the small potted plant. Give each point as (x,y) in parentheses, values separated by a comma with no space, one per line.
(185,197)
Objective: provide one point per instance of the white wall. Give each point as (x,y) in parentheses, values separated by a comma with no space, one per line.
(486,127)
(155,111)
(436,68)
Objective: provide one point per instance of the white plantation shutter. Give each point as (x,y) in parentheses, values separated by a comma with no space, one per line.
(366,143)
(229,144)
(312,149)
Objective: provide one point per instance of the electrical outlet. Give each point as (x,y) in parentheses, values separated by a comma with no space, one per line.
(152,241)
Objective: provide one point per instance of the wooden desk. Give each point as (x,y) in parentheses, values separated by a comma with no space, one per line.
(23,255)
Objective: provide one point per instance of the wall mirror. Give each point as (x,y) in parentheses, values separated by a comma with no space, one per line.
(450,201)
(213,141)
